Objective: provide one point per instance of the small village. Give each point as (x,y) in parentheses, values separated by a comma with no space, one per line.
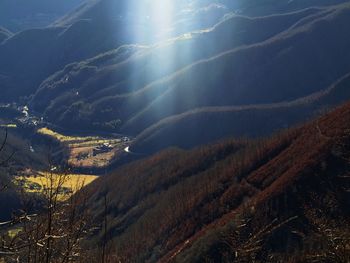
(86,152)
(23,117)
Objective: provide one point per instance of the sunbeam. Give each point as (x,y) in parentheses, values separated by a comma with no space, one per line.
(161,15)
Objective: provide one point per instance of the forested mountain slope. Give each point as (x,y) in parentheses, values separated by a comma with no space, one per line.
(221,128)
(265,200)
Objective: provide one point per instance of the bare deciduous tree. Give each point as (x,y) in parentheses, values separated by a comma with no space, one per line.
(54,234)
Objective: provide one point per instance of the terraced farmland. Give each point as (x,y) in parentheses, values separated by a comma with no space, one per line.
(89,151)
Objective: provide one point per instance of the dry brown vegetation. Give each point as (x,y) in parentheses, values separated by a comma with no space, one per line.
(281,199)
(179,205)
(55,232)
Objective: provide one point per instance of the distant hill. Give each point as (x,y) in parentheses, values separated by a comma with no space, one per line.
(18,15)
(238,200)
(4,34)
(116,75)
(84,70)
(141,21)
(258,61)
(206,125)
(86,35)
(94,27)
(264,7)
(50,49)
(293,64)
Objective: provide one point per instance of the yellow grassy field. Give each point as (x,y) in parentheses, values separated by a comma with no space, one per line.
(81,149)
(14,232)
(65,138)
(8,125)
(41,181)
(98,160)
(94,142)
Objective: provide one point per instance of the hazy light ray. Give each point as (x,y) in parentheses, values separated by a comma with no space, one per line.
(169,48)
(161,15)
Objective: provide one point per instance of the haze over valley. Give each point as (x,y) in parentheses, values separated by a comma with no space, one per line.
(175,131)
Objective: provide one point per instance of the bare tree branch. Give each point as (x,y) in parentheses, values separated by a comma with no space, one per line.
(4,141)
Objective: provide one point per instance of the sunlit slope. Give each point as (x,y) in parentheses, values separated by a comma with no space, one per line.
(96,9)
(89,152)
(66,138)
(46,50)
(148,20)
(291,65)
(188,206)
(267,60)
(106,93)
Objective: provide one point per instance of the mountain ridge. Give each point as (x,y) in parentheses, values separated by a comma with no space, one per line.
(280,115)
(265,184)
(118,95)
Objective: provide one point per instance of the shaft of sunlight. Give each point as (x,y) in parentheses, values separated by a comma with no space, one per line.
(161,12)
